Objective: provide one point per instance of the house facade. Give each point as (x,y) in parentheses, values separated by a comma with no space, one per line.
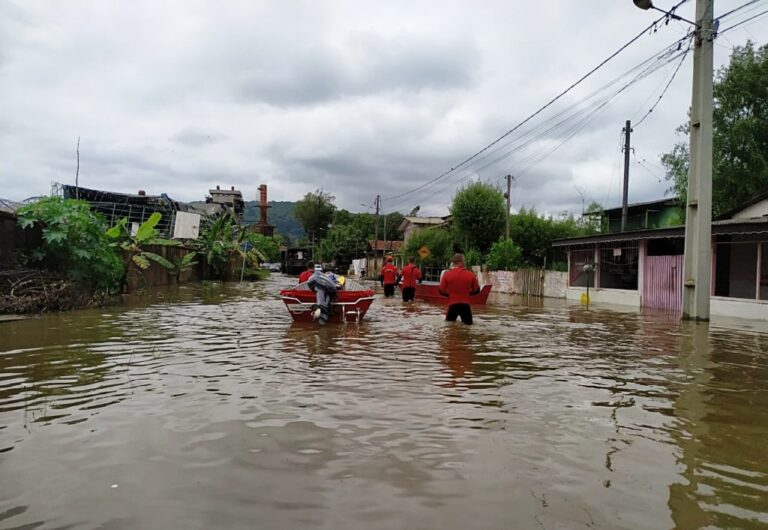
(643,267)
(411,224)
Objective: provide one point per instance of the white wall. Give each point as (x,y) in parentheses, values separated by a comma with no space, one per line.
(606,296)
(555,283)
(756,210)
(738,308)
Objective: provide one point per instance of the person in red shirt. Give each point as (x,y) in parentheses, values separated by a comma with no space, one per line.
(307,274)
(410,275)
(459,284)
(389,277)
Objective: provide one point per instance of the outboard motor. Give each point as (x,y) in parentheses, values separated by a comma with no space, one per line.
(325,292)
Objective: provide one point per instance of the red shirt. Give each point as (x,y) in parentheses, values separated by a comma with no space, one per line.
(389,274)
(305,276)
(458,284)
(411,275)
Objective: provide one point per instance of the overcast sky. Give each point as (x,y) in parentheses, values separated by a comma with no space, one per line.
(359,98)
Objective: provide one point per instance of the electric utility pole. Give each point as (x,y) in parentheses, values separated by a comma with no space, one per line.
(625,196)
(697,260)
(508,197)
(376,236)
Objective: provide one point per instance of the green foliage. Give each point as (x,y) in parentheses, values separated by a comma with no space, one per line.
(437,240)
(342,244)
(315,212)
(74,241)
(267,246)
(221,243)
(393,221)
(740,137)
(504,256)
(134,246)
(478,215)
(184,263)
(534,235)
(472,257)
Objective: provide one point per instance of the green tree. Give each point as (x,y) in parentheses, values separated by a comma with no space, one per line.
(342,244)
(534,235)
(267,246)
(438,241)
(504,256)
(393,221)
(740,137)
(478,216)
(315,212)
(74,241)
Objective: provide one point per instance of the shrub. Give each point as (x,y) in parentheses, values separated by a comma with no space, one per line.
(74,242)
(505,255)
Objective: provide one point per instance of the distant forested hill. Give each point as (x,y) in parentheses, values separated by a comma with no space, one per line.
(280,214)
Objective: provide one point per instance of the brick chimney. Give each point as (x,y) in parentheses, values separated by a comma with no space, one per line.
(263,204)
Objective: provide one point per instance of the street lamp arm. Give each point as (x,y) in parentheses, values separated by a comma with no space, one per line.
(648,4)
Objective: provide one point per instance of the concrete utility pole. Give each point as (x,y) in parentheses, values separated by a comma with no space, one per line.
(697,260)
(376,236)
(508,197)
(625,196)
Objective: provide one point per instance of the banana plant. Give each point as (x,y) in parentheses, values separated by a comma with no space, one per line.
(134,245)
(183,264)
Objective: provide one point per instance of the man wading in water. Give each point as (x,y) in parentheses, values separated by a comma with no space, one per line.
(388,277)
(458,284)
(410,275)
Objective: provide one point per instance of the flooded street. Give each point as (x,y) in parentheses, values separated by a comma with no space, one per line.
(206,407)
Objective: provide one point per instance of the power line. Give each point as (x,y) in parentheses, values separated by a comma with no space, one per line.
(682,59)
(545,106)
(736,25)
(732,11)
(582,115)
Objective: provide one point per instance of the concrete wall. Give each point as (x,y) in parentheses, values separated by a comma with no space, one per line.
(555,283)
(738,308)
(606,296)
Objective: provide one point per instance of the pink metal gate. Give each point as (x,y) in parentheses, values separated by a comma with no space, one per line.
(663,282)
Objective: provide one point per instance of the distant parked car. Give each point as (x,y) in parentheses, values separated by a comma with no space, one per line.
(274,267)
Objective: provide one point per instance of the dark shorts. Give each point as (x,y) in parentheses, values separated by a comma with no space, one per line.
(409,293)
(459,310)
(389,289)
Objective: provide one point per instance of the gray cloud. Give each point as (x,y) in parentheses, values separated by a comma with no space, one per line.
(358,98)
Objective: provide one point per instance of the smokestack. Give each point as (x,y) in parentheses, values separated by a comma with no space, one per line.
(263,204)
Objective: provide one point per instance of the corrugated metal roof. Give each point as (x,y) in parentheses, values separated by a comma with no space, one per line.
(757,225)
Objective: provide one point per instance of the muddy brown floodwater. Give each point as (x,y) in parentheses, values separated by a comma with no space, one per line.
(205,407)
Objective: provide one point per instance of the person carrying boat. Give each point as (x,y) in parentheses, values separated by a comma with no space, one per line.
(459,284)
(307,274)
(325,291)
(410,275)
(388,277)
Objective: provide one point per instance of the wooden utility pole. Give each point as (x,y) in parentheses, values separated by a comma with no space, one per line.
(625,195)
(697,259)
(508,196)
(385,238)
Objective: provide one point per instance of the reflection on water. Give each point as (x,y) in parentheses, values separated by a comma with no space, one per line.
(205,407)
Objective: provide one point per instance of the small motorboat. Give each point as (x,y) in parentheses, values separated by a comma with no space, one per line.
(349,305)
(430,292)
